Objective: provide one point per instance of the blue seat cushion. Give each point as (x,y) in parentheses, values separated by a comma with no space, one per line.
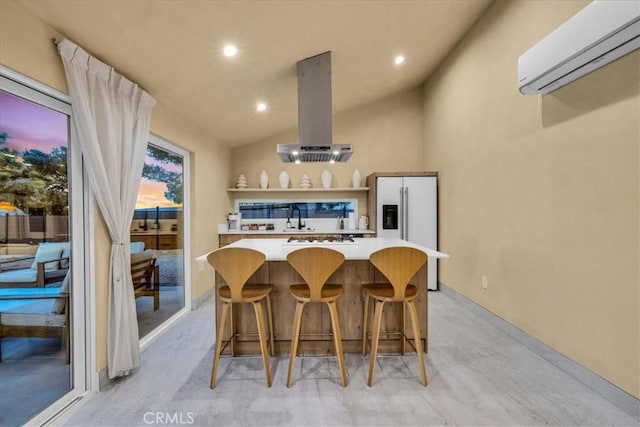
(25,275)
(29,313)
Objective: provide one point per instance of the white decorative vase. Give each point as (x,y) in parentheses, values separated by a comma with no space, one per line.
(326,179)
(284,180)
(355,179)
(264,180)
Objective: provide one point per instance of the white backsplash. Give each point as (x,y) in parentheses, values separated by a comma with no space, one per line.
(320,225)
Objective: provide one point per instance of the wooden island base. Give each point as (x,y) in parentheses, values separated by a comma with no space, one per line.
(351,274)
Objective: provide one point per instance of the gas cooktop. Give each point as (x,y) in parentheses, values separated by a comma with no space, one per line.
(321,241)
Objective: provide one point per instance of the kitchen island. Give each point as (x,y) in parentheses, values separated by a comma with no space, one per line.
(356,270)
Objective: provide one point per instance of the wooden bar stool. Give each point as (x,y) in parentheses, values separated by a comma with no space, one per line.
(316,265)
(236,266)
(398,265)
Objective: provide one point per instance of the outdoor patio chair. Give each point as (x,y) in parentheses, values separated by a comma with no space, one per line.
(145,275)
(49,264)
(36,313)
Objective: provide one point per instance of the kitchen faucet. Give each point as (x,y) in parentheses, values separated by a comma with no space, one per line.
(301,224)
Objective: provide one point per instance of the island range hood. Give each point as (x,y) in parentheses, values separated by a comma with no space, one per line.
(315,122)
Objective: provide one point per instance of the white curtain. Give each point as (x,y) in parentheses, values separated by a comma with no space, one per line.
(112,117)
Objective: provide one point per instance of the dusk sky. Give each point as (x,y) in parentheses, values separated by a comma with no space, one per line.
(32,126)
(152,194)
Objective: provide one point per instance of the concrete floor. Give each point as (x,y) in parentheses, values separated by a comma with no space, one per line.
(33,375)
(477,376)
(171,301)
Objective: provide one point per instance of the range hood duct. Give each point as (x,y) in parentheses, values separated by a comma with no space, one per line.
(315,122)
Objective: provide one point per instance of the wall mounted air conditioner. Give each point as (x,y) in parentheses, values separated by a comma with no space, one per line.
(602,32)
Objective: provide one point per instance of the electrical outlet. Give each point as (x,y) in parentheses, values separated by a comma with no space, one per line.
(485,282)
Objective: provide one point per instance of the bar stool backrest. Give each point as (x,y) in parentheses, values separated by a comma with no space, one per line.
(236,266)
(315,265)
(398,264)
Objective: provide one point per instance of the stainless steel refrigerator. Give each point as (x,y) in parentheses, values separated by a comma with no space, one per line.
(407,208)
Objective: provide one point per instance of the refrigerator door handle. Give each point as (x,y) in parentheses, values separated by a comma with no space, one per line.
(401,216)
(405,210)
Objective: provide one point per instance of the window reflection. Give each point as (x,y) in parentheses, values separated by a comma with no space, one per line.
(157,231)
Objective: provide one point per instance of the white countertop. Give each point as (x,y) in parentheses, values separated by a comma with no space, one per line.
(278,249)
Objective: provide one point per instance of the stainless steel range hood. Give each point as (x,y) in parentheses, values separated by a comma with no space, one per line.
(315,122)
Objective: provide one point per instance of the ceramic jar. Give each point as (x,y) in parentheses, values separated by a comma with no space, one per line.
(326,179)
(355,179)
(264,180)
(305,181)
(363,223)
(284,180)
(241,182)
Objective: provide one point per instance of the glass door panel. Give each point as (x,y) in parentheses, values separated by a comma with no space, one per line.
(158,226)
(35,333)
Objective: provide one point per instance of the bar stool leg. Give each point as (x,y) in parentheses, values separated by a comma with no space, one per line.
(270,320)
(418,340)
(365,324)
(403,322)
(297,322)
(263,341)
(232,324)
(337,337)
(377,320)
(332,344)
(219,338)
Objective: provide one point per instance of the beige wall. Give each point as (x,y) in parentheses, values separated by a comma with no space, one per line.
(25,46)
(540,194)
(394,121)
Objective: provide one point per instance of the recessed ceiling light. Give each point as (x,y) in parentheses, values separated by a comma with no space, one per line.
(261,106)
(398,60)
(230,50)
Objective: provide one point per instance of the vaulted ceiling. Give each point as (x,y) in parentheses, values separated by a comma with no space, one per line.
(173,49)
